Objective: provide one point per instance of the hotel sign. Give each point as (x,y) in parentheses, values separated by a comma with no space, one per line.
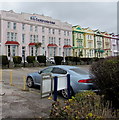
(41,20)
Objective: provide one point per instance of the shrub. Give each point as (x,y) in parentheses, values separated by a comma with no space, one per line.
(17,59)
(87,60)
(41,59)
(69,58)
(106,77)
(84,105)
(30,59)
(58,60)
(4,60)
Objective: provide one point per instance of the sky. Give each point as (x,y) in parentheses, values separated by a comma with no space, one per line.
(96,15)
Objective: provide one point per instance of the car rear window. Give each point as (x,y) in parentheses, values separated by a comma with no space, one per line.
(79,71)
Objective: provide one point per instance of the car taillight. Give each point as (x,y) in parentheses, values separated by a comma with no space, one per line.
(85,81)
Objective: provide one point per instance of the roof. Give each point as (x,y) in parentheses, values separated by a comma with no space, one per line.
(65,66)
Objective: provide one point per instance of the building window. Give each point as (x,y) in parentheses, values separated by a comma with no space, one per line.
(52,40)
(23,38)
(14,26)
(59,41)
(53,31)
(49,30)
(8,36)
(43,29)
(31,38)
(34,38)
(13,50)
(43,40)
(23,26)
(31,28)
(15,36)
(65,33)
(12,36)
(89,45)
(59,32)
(36,28)
(8,24)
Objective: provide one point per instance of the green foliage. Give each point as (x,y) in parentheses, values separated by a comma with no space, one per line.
(58,60)
(17,59)
(30,59)
(41,59)
(106,77)
(4,60)
(85,105)
(69,58)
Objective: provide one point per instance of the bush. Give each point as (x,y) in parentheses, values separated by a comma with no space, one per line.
(30,59)
(106,77)
(41,59)
(4,60)
(17,59)
(58,60)
(87,60)
(69,58)
(85,105)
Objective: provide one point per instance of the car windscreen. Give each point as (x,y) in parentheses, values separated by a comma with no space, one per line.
(80,71)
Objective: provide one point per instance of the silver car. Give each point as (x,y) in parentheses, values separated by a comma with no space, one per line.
(79,78)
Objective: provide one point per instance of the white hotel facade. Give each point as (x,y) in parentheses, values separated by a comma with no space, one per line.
(19,32)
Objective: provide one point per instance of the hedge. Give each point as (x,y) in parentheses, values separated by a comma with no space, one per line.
(58,60)
(106,77)
(17,59)
(41,59)
(30,59)
(4,60)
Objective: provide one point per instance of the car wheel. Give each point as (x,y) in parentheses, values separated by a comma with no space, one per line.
(29,82)
(64,92)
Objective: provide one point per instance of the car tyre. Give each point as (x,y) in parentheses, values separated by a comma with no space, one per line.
(29,82)
(64,92)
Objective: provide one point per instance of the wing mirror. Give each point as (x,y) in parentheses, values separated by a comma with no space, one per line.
(39,72)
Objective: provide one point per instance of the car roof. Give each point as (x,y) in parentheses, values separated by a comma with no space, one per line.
(65,66)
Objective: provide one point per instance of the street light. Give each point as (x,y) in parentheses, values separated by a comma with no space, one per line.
(76,58)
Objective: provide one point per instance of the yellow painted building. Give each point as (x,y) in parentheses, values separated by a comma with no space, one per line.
(106,44)
(88,43)
(78,41)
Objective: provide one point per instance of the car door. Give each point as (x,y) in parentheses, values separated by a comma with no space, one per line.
(46,70)
(62,79)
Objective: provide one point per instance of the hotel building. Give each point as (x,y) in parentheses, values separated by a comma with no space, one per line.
(20,32)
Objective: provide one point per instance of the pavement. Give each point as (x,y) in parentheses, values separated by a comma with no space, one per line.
(23,104)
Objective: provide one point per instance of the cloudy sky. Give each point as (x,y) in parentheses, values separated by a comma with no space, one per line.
(96,15)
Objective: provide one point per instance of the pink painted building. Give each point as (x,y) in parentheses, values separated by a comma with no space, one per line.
(19,32)
(114,45)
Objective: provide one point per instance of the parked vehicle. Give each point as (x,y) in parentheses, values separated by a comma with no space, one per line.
(51,60)
(79,78)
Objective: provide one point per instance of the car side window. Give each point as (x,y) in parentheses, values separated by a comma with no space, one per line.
(47,70)
(59,71)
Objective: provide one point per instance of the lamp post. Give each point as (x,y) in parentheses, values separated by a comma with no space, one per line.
(45,56)
(63,58)
(76,58)
(24,58)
